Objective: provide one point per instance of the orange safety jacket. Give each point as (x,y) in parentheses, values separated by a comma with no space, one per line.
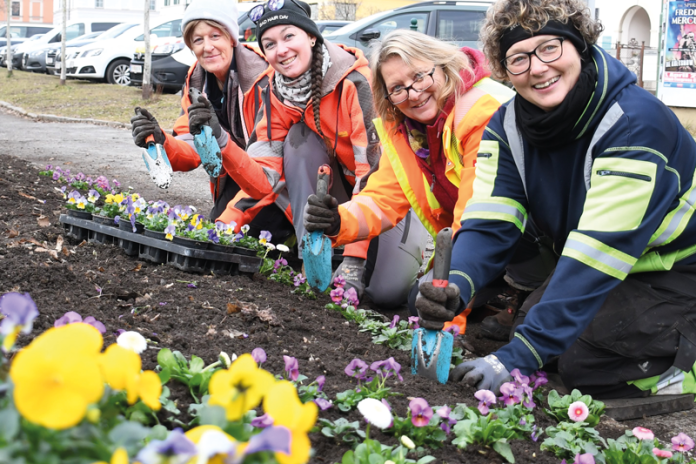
(399,184)
(346,118)
(253,74)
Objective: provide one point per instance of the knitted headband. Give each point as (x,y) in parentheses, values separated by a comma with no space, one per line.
(517,34)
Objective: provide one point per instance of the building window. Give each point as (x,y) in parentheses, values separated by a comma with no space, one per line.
(153,4)
(98,3)
(176,2)
(17,8)
(167,2)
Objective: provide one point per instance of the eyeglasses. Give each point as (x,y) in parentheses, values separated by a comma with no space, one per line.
(258,11)
(421,83)
(547,52)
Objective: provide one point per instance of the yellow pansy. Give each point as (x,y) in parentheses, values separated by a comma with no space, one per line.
(286,409)
(118,198)
(72,200)
(57,376)
(120,456)
(240,388)
(121,369)
(109,198)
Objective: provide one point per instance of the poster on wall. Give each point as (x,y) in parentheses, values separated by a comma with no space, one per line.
(678,76)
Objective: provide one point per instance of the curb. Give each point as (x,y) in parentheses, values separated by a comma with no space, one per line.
(54,118)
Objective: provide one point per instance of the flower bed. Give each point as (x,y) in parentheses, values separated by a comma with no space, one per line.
(202,316)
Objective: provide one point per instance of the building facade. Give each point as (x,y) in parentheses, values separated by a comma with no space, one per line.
(28,12)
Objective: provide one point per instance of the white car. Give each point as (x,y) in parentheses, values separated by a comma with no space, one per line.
(109,59)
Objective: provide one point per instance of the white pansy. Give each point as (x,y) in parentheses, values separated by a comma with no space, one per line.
(132,341)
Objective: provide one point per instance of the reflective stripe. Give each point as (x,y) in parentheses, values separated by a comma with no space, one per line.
(360,154)
(265,149)
(468,279)
(610,118)
(486,169)
(499,208)
(272,176)
(597,255)
(604,87)
(283,199)
(531,348)
(675,222)
(499,92)
(515,140)
(354,209)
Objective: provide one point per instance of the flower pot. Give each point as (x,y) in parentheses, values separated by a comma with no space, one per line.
(79,214)
(125,224)
(105,220)
(190,243)
(154,234)
(244,251)
(221,248)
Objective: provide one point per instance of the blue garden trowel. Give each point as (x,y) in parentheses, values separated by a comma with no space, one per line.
(316,247)
(206,144)
(157,162)
(431,350)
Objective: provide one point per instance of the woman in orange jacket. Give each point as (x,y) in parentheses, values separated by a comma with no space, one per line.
(434,102)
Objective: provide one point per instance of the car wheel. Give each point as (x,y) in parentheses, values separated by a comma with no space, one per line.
(118,72)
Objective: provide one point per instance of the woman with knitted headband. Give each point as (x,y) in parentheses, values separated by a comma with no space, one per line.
(434,101)
(608,173)
(232,75)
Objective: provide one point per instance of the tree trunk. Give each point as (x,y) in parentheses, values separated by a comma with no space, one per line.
(147,87)
(8,3)
(63,62)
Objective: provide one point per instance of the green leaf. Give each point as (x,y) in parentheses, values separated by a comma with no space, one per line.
(376,459)
(158,432)
(128,434)
(213,415)
(181,361)
(165,374)
(503,449)
(196,380)
(348,458)
(9,424)
(165,358)
(425,460)
(196,365)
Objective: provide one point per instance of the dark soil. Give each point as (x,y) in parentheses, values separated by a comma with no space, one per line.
(196,320)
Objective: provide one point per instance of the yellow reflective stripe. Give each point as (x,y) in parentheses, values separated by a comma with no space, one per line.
(655,261)
(495,134)
(597,255)
(531,348)
(500,208)
(498,91)
(429,195)
(468,279)
(486,168)
(676,221)
(654,152)
(389,150)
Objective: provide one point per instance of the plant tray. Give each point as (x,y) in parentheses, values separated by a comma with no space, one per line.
(161,251)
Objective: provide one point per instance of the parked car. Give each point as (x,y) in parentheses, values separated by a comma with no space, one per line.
(109,59)
(36,61)
(52,53)
(73,30)
(21,33)
(452,21)
(170,62)
(327,26)
(3,50)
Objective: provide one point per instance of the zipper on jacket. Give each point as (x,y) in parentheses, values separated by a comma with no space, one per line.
(631,175)
(432,185)
(484,155)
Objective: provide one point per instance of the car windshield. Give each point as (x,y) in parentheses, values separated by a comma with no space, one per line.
(357,25)
(117,31)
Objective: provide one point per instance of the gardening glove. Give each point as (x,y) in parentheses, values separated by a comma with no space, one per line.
(202,113)
(322,215)
(352,270)
(485,373)
(144,125)
(437,305)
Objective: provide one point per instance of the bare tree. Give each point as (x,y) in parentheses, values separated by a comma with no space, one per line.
(64,62)
(344,10)
(147,88)
(8,35)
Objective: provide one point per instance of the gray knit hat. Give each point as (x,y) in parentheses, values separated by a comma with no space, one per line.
(220,11)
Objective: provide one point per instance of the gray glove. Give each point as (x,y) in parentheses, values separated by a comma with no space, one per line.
(202,113)
(352,270)
(437,305)
(322,215)
(485,373)
(144,125)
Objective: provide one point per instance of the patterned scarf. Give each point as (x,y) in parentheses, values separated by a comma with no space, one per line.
(417,138)
(298,90)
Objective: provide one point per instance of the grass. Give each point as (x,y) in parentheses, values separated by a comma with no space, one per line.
(42,94)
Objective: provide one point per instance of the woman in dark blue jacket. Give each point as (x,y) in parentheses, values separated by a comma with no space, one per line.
(606,171)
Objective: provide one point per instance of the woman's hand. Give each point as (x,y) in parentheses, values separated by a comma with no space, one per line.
(322,215)
(144,125)
(201,113)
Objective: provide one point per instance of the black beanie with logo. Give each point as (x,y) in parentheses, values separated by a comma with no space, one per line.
(293,12)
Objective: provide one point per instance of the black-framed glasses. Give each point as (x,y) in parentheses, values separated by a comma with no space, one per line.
(547,52)
(258,11)
(421,83)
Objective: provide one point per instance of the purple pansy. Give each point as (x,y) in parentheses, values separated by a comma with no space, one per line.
(72,317)
(339,281)
(323,404)
(413,322)
(421,412)
(259,355)
(356,368)
(394,321)
(320,382)
(291,367)
(262,421)
(299,280)
(486,399)
(336,295)
(176,444)
(510,393)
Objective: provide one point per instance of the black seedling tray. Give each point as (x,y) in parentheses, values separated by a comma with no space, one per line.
(161,251)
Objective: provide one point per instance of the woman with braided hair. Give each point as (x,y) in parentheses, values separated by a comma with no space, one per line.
(317,110)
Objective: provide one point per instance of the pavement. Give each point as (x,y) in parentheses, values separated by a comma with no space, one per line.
(100,149)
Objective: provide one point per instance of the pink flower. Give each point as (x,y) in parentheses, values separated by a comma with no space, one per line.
(291,367)
(259,355)
(351,296)
(486,398)
(421,412)
(337,295)
(578,412)
(322,403)
(662,453)
(394,321)
(585,458)
(642,433)
(339,281)
(454,328)
(520,379)
(510,394)
(682,442)
(413,322)
(356,368)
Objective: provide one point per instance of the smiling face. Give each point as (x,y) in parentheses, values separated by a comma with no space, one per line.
(213,49)
(419,106)
(546,84)
(288,49)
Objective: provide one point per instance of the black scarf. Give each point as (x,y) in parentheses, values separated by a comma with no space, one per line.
(559,126)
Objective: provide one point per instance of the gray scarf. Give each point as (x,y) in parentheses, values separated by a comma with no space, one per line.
(298,90)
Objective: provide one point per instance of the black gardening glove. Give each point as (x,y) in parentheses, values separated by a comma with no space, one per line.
(437,305)
(144,125)
(484,373)
(202,113)
(322,215)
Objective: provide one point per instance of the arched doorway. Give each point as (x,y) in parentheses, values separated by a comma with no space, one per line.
(636,25)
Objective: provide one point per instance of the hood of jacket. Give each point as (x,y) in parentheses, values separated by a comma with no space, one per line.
(344,60)
(479,67)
